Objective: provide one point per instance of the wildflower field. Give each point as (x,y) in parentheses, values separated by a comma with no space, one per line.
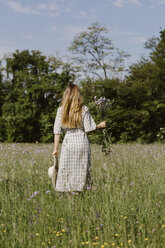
(124,208)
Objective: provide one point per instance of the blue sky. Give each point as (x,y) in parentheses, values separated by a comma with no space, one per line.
(51,25)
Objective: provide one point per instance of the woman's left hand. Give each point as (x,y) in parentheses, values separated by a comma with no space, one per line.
(55,153)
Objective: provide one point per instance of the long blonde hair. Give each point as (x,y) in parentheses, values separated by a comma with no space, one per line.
(72,103)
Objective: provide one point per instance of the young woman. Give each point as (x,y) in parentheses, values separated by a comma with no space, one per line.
(75,119)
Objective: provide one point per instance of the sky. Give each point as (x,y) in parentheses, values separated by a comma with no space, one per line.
(51,25)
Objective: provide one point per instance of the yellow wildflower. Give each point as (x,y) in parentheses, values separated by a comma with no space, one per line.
(105,244)
(95,243)
(96,237)
(113,244)
(37,234)
(146,239)
(116,234)
(87,242)
(60,220)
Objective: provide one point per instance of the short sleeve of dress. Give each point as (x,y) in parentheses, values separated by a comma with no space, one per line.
(88,121)
(57,123)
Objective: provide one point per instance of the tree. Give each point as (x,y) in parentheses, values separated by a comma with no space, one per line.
(1,91)
(2,96)
(157,54)
(34,89)
(143,93)
(96,53)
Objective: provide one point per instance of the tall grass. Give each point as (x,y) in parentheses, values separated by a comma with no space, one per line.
(124,208)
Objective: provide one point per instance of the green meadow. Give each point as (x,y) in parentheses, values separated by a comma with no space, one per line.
(125,207)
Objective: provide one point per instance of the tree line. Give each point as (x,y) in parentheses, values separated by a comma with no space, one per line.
(32,84)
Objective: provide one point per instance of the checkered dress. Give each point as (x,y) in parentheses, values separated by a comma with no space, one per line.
(74,163)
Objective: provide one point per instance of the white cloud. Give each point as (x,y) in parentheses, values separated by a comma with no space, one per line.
(67,10)
(49,7)
(83,14)
(122,3)
(17,7)
(42,6)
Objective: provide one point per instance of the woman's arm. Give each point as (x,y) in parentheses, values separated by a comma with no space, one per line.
(56,144)
(101,125)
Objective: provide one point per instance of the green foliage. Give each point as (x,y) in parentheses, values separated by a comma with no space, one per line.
(161,135)
(46,125)
(33,91)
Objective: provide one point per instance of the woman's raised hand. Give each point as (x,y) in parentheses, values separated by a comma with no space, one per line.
(102,124)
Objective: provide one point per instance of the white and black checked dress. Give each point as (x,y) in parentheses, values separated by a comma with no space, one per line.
(74,163)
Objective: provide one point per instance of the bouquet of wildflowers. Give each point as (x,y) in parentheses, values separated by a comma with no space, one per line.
(103,105)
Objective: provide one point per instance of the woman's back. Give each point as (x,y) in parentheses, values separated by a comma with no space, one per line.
(87,125)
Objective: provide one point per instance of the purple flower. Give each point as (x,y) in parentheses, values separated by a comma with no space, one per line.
(97,215)
(47,191)
(103,103)
(35,193)
(74,193)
